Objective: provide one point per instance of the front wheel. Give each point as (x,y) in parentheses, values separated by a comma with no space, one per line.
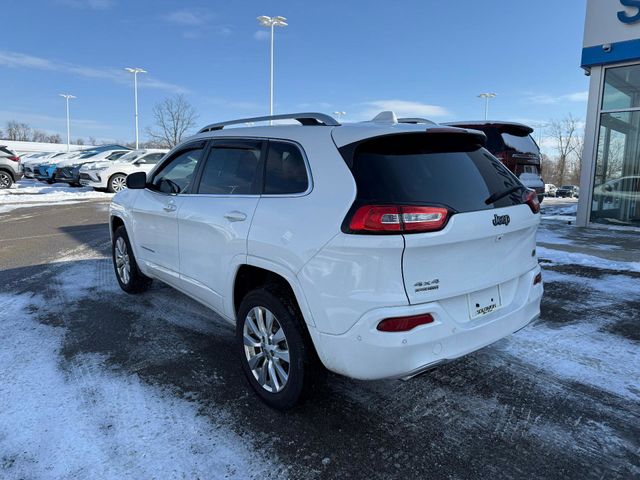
(117,183)
(129,276)
(277,356)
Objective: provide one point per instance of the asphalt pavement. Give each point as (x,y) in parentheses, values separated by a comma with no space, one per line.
(497,413)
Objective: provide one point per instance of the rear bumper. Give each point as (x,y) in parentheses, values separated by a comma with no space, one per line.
(365,353)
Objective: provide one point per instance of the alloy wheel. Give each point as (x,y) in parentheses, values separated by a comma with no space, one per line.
(118,183)
(122,260)
(266,349)
(5,180)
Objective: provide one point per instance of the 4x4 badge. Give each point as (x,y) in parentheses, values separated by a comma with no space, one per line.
(501,220)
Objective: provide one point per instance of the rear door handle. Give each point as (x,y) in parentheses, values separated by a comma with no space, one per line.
(235,216)
(170,207)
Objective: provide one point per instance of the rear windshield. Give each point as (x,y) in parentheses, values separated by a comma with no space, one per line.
(521,144)
(429,169)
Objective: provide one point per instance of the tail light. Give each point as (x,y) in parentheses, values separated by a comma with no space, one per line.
(530,197)
(404,324)
(537,279)
(394,218)
(14,158)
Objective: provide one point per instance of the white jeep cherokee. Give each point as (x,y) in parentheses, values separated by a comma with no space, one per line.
(378,249)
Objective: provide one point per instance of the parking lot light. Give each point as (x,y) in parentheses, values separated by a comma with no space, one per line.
(271,22)
(68,97)
(135,72)
(487,97)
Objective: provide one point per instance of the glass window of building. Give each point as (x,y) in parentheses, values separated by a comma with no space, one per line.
(616,192)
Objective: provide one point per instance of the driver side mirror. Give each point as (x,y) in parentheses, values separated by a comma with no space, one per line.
(137,181)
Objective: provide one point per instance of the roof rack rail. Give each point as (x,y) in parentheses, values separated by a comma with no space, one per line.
(307,118)
(416,120)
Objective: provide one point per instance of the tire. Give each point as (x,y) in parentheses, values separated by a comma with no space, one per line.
(303,368)
(117,183)
(129,276)
(6,180)
(50,182)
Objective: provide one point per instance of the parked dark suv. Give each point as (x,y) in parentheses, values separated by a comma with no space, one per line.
(570,191)
(513,144)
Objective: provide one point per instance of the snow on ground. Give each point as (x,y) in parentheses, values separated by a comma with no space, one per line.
(560,257)
(31,193)
(83,420)
(563,209)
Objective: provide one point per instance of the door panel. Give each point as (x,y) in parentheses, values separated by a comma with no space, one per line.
(155,231)
(214,222)
(212,233)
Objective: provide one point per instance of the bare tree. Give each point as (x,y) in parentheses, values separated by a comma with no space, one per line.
(38,136)
(173,117)
(564,133)
(17,131)
(54,138)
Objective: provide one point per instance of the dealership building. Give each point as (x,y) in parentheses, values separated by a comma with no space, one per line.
(610,177)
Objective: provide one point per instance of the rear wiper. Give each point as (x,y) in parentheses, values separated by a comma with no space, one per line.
(498,195)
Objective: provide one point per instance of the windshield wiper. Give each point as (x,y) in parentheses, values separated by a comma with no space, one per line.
(498,195)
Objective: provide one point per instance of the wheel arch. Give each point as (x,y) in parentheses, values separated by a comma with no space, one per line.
(256,272)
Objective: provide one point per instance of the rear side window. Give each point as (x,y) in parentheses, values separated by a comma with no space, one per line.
(285,171)
(430,169)
(153,158)
(520,143)
(230,170)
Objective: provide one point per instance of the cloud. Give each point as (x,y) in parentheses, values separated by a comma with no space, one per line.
(546,99)
(261,35)
(198,23)
(52,124)
(116,75)
(403,108)
(186,18)
(91,4)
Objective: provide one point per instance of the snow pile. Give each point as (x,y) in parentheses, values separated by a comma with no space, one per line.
(84,421)
(30,193)
(582,259)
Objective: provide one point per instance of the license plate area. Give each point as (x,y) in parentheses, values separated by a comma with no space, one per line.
(483,302)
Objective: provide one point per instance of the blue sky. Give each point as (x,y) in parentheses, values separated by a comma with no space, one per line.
(419,57)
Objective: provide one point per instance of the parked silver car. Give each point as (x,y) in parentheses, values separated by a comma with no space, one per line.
(9,167)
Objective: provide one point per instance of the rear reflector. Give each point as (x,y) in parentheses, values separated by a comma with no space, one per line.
(393,218)
(530,197)
(537,279)
(404,324)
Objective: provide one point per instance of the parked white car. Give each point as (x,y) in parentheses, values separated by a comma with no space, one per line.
(69,170)
(550,189)
(111,175)
(377,249)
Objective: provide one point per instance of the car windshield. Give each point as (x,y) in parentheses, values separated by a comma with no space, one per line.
(520,143)
(431,170)
(567,186)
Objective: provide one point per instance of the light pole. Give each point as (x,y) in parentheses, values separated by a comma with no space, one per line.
(487,97)
(68,97)
(271,22)
(339,114)
(135,72)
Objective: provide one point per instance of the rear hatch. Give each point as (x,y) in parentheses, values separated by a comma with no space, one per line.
(483,240)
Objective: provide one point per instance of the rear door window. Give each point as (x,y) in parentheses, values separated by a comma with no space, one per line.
(447,170)
(231,169)
(286,172)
